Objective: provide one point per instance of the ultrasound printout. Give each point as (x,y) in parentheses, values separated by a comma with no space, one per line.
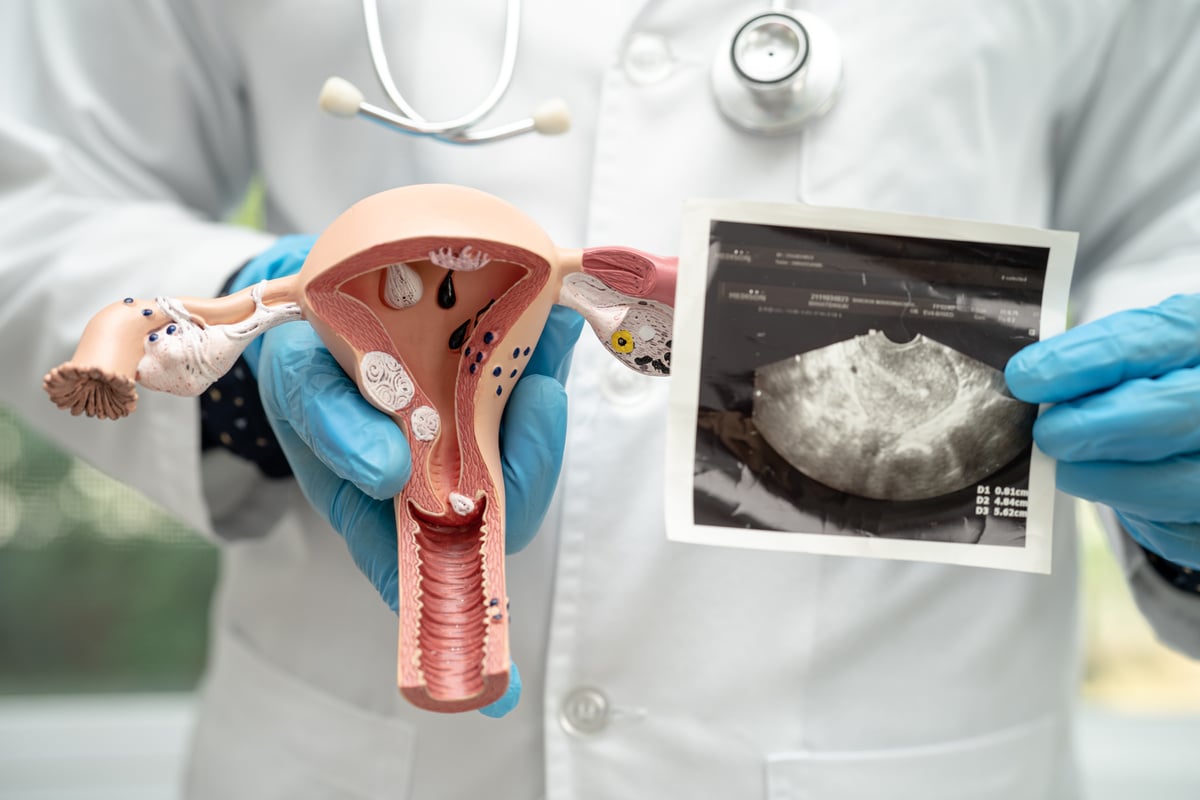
(842,390)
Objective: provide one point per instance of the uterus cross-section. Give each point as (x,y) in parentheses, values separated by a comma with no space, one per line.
(432,298)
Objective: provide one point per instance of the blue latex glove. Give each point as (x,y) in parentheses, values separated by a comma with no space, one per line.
(350,460)
(1126,427)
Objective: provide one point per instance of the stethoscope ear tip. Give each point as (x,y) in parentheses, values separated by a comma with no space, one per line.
(340,97)
(552,117)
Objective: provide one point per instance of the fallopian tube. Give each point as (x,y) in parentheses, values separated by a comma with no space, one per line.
(432,299)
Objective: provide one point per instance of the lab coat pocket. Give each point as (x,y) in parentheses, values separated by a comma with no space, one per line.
(1019,762)
(263,733)
(934,119)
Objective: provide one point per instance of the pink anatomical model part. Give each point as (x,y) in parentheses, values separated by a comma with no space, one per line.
(432,299)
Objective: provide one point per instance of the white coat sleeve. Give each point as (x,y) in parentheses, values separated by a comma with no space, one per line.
(123,141)
(1129,169)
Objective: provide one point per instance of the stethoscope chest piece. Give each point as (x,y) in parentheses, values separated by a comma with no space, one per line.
(781,70)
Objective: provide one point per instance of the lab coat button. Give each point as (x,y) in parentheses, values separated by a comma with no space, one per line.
(584,712)
(648,59)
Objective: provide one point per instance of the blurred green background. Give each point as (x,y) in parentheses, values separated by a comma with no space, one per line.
(99,591)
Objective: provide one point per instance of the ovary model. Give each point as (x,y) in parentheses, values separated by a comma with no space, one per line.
(432,299)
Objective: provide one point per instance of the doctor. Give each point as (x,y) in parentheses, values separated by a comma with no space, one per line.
(650,669)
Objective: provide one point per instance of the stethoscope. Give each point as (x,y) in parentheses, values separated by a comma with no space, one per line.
(781,69)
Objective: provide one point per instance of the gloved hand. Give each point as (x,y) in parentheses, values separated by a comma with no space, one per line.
(351,460)
(1126,427)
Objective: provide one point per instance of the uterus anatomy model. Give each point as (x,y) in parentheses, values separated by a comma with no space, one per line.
(432,298)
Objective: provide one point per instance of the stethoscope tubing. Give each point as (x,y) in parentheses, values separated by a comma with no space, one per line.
(777,105)
(412,119)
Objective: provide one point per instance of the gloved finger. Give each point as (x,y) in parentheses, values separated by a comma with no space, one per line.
(368,525)
(1140,420)
(1177,542)
(1167,491)
(303,384)
(252,355)
(1142,343)
(532,437)
(284,257)
(509,701)
(552,356)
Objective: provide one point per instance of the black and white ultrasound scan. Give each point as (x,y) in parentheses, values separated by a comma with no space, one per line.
(842,386)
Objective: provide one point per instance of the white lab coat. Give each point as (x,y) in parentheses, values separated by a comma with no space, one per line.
(726,674)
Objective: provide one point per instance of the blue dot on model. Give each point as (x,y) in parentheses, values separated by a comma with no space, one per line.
(513,374)
(516,352)
(497,372)
(154,337)
(526,351)
(146,312)
(487,337)
(499,391)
